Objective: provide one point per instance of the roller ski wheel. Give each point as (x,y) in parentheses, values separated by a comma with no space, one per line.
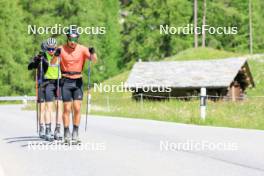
(67,142)
(76,142)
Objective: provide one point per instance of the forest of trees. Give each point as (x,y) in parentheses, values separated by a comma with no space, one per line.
(132,32)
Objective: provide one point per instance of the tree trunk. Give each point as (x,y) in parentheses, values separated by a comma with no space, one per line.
(250,27)
(204,22)
(195,24)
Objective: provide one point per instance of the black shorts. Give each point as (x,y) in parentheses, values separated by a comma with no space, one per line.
(51,91)
(41,93)
(72,89)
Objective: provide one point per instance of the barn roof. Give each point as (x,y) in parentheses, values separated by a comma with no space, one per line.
(186,74)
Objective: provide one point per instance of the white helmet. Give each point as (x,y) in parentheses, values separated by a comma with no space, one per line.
(51,42)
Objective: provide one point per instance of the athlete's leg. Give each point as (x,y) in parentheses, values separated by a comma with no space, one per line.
(77,97)
(66,113)
(67,104)
(57,131)
(41,103)
(49,98)
(66,120)
(48,116)
(66,91)
(60,105)
(77,112)
(76,119)
(42,113)
(41,107)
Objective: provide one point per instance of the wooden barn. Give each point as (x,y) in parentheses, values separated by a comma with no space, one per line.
(223,78)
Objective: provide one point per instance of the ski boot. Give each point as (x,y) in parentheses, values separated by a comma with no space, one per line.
(41,131)
(75,135)
(48,135)
(57,133)
(67,137)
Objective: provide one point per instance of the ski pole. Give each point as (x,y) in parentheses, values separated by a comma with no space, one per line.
(88,93)
(58,91)
(40,87)
(37,107)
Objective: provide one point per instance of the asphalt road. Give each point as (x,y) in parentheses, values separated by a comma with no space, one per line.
(129,147)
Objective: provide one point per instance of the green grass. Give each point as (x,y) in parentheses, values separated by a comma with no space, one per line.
(257,70)
(246,114)
(10,102)
(201,54)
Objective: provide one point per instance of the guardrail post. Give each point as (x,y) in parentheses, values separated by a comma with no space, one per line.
(203,103)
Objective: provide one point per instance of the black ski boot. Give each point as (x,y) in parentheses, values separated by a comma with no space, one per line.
(57,133)
(67,136)
(48,135)
(75,135)
(41,131)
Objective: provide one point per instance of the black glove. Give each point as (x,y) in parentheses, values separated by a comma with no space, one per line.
(40,54)
(57,52)
(92,50)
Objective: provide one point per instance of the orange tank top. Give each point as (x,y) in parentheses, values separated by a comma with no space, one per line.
(73,60)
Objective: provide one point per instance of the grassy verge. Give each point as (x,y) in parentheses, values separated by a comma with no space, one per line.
(246,114)
(10,102)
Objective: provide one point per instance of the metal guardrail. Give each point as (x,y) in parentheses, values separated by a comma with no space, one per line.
(24,99)
(18,98)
